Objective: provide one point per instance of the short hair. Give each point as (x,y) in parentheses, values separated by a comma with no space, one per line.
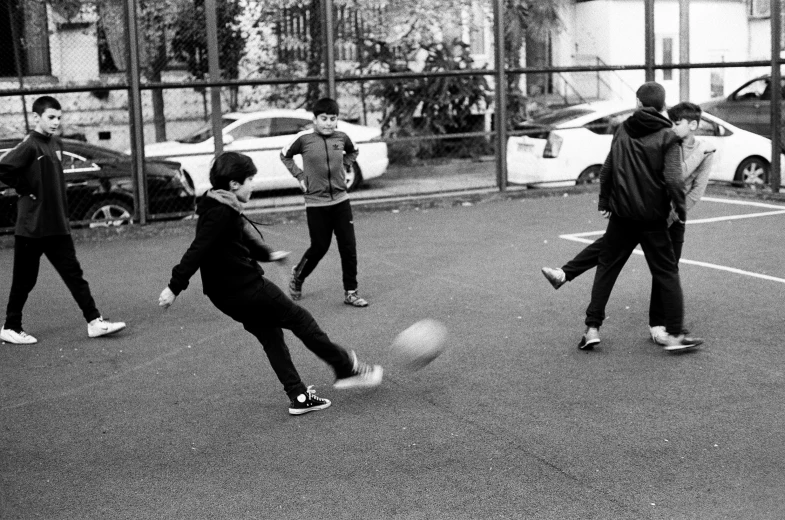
(652,94)
(326,106)
(685,110)
(44,103)
(231,166)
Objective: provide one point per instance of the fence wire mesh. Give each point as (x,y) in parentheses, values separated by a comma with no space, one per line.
(418,75)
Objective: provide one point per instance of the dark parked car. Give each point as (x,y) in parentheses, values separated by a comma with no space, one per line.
(748,107)
(100,189)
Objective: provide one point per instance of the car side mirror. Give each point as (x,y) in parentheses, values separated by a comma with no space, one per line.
(228,139)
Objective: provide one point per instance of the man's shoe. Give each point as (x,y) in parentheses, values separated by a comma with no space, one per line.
(353,299)
(295,286)
(555,276)
(363,375)
(589,339)
(17,337)
(307,402)
(681,342)
(658,334)
(98,327)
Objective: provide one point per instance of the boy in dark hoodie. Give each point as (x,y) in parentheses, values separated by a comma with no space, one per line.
(640,184)
(227,249)
(35,170)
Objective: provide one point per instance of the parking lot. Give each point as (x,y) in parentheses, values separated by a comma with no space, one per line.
(180,415)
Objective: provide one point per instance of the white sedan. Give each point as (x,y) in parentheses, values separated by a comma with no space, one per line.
(262,135)
(568,147)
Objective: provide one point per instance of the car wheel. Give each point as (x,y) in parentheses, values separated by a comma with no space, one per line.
(353,178)
(109,212)
(590,175)
(753,172)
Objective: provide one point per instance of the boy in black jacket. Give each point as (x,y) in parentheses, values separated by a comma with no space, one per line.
(327,153)
(227,249)
(35,170)
(639,180)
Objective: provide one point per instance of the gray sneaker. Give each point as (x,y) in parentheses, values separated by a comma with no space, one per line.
(295,286)
(680,342)
(363,375)
(589,339)
(556,277)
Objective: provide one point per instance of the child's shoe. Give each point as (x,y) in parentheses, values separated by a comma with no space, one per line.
(680,342)
(98,327)
(590,338)
(17,337)
(353,299)
(658,334)
(295,286)
(363,375)
(555,276)
(307,402)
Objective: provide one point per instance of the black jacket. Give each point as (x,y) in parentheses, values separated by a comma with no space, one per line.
(642,173)
(226,250)
(34,169)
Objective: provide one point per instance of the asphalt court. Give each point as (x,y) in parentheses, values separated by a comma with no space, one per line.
(180,416)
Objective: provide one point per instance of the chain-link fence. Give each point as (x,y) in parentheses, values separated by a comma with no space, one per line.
(416,82)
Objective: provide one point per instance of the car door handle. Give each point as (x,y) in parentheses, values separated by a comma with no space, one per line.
(756,105)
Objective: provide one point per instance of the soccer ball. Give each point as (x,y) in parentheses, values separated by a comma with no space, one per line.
(420,344)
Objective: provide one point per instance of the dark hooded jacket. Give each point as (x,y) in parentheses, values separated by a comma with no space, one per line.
(642,173)
(226,249)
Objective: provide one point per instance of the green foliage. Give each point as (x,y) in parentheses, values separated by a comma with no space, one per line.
(189,43)
(440,105)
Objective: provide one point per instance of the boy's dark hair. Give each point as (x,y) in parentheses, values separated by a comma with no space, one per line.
(326,106)
(231,166)
(44,103)
(652,94)
(685,110)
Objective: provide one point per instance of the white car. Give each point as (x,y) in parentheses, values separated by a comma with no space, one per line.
(568,147)
(262,135)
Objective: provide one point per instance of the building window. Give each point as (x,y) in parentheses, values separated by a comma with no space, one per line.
(759,8)
(667,58)
(24,37)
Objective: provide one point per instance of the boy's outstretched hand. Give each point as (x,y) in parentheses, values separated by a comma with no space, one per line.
(167,298)
(278,256)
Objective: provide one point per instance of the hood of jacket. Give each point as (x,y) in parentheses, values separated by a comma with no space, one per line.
(213,197)
(644,122)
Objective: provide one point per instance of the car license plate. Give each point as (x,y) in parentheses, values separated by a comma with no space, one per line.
(525,147)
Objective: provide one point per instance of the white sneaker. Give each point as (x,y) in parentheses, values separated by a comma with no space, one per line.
(363,375)
(18,338)
(99,327)
(658,334)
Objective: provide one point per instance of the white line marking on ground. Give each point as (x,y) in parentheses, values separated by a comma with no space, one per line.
(580,237)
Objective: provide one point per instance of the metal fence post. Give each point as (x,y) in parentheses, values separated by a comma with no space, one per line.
(135,111)
(776,95)
(684,49)
(329,46)
(648,15)
(501,96)
(211,19)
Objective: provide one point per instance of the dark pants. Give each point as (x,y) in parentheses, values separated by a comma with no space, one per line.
(60,251)
(323,221)
(589,257)
(620,239)
(264,311)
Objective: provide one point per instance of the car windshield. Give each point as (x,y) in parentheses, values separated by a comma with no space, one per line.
(204,133)
(561,116)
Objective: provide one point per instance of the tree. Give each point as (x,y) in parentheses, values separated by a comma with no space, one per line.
(189,43)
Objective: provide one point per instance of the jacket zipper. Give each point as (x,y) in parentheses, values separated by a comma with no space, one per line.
(329,170)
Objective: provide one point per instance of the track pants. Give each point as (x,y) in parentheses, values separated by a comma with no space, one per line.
(323,221)
(264,311)
(60,251)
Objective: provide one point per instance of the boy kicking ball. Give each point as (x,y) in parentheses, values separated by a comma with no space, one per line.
(226,250)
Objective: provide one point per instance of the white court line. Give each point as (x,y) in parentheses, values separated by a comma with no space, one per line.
(579,237)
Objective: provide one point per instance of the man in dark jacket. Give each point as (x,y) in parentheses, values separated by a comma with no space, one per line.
(640,178)
(227,249)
